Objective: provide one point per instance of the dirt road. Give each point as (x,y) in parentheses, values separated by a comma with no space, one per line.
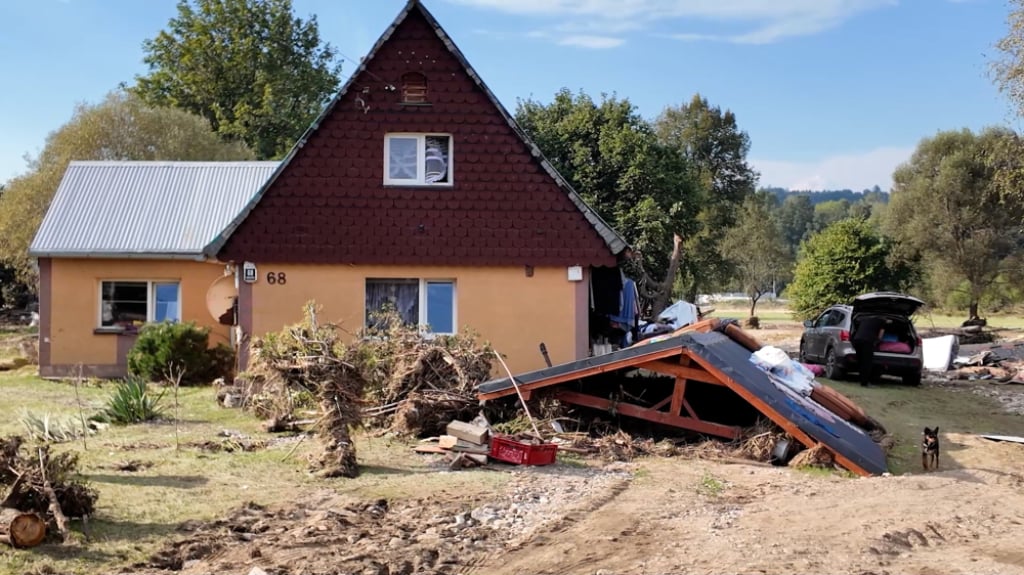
(651,516)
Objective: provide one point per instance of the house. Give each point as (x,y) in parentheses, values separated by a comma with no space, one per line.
(416,187)
(122,244)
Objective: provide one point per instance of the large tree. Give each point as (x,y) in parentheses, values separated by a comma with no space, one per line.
(254,70)
(1008,67)
(610,155)
(841,262)
(756,249)
(946,206)
(120,127)
(714,150)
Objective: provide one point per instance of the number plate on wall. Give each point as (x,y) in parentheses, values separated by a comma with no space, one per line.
(249,272)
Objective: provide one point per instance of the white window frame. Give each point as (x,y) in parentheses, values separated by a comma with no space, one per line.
(150,300)
(421,296)
(421,144)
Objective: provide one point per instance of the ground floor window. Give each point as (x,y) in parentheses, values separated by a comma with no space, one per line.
(128,303)
(429,303)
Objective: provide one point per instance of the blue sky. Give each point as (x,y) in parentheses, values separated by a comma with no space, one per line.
(833,93)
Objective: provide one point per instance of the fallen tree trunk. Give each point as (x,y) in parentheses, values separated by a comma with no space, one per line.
(21,529)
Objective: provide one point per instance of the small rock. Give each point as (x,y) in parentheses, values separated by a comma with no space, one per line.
(396,542)
(257,571)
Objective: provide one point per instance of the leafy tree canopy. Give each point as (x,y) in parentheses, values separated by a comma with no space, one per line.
(757,250)
(714,150)
(120,127)
(610,155)
(255,71)
(841,262)
(946,206)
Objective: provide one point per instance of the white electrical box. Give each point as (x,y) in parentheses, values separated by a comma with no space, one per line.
(249,272)
(575,273)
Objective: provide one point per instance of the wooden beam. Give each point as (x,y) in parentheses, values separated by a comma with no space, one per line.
(661,403)
(775,416)
(582,373)
(648,414)
(678,392)
(682,371)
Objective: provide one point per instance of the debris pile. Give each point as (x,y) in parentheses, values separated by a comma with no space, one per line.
(470,444)
(42,492)
(310,358)
(415,384)
(998,366)
(709,378)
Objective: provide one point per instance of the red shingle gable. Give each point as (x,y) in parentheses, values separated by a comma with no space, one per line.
(328,203)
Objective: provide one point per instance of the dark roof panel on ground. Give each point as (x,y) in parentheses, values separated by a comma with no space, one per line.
(733,360)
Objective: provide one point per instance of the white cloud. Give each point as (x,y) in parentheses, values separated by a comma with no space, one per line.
(855,171)
(760,21)
(591,41)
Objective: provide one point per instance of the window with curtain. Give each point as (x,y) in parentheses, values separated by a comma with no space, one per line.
(424,302)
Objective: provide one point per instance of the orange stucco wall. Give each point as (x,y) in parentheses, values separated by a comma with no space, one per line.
(502,304)
(75,297)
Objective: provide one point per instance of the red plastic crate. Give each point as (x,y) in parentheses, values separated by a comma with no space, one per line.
(512,451)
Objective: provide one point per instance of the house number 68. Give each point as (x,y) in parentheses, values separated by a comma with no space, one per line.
(278,278)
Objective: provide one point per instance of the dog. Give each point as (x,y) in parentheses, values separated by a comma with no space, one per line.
(930,448)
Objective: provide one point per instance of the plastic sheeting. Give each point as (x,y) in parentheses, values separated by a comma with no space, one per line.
(938,353)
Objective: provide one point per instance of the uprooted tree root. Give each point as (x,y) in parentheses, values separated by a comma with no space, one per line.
(36,481)
(309,357)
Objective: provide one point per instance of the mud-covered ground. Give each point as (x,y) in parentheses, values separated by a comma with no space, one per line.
(652,515)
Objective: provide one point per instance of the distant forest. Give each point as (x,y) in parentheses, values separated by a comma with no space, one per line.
(874,195)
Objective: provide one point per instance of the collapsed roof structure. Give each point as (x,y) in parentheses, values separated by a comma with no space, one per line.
(701,378)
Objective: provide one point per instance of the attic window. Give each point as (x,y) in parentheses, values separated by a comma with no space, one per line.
(414,88)
(418,159)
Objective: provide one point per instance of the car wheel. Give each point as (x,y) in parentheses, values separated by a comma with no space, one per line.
(832,369)
(803,352)
(913,379)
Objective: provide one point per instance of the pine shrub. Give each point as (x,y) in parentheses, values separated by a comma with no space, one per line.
(165,347)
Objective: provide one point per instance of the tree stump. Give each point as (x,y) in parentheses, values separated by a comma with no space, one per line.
(21,529)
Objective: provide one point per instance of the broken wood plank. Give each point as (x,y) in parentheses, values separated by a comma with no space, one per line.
(429,448)
(467,447)
(476,458)
(468,432)
(683,371)
(447,441)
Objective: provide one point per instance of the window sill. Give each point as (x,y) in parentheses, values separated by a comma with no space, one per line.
(115,331)
(424,186)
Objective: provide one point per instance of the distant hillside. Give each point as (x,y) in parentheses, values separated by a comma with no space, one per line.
(817,197)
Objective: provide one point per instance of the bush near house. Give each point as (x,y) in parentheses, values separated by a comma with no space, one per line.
(167,346)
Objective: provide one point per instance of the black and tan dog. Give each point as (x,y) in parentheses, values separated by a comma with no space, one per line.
(930,448)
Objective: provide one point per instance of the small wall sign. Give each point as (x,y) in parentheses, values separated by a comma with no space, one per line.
(575,273)
(249,272)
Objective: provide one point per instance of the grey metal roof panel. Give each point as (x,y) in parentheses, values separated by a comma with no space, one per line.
(162,209)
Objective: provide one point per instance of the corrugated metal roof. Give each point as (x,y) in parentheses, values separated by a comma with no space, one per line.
(161,209)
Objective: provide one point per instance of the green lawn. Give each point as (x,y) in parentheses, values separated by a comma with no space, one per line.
(905,411)
(138,511)
(926,319)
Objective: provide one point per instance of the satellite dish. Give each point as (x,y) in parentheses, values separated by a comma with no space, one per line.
(220,296)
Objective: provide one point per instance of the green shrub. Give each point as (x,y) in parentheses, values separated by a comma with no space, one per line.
(132,403)
(164,346)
